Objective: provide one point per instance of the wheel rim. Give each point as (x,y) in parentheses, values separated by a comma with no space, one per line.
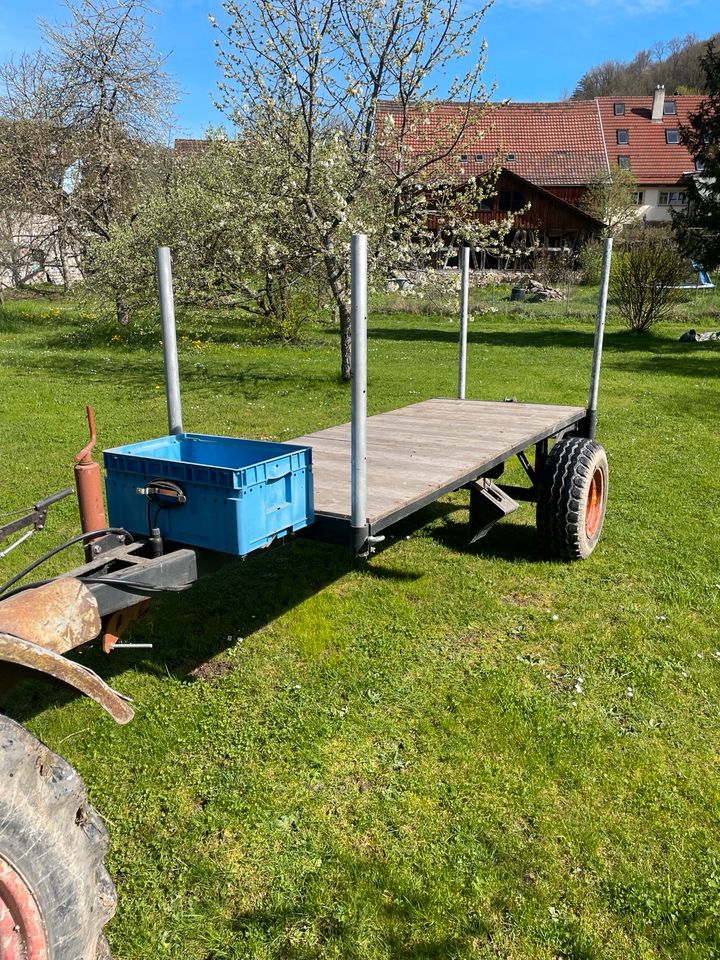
(22,931)
(594,504)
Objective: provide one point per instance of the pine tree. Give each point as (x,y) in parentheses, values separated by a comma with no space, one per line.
(698,228)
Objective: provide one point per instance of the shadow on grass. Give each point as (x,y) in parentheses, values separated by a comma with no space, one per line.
(676,359)
(651,353)
(96,335)
(237,598)
(506,540)
(559,337)
(142,369)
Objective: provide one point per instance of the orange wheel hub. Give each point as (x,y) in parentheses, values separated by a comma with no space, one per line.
(22,932)
(594,504)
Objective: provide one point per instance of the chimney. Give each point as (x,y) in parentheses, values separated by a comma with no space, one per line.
(658,103)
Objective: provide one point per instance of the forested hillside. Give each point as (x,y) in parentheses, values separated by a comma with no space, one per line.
(676,64)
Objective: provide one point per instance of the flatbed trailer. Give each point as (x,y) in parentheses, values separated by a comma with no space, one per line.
(368,474)
(419,453)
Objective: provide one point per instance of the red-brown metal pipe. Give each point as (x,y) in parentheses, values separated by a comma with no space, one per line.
(89,487)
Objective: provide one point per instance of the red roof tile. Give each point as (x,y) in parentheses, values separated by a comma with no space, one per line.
(652,159)
(189,147)
(553,143)
(560,144)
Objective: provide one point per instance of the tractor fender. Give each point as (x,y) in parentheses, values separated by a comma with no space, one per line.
(38,625)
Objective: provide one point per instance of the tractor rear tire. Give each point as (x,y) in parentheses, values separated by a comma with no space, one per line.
(572,498)
(55,894)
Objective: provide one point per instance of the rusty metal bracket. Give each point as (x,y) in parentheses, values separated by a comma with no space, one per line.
(37,626)
(24,653)
(119,621)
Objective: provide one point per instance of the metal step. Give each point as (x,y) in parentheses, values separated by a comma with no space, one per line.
(488,504)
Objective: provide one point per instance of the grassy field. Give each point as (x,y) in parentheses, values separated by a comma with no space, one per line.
(444,752)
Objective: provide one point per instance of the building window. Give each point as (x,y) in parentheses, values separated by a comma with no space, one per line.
(509,157)
(672,136)
(623,162)
(622,136)
(672,198)
(619,109)
(699,166)
(462,158)
(670,108)
(479,157)
(637,197)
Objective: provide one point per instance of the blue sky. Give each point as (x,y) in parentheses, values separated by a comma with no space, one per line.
(537,49)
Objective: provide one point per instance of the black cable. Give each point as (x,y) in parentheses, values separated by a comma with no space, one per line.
(138,585)
(132,584)
(63,546)
(154,498)
(27,586)
(162,506)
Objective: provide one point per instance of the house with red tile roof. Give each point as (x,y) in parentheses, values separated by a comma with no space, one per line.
(547,154)
(188,148)
(643,134)
(561,146)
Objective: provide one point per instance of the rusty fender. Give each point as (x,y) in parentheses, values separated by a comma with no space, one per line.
(38,626)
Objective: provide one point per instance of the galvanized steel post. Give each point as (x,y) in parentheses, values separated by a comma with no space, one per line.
(599,334)
(464,264)
(358,316)
(169,338)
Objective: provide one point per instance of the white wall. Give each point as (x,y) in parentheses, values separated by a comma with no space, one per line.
(30,252)
(650,208)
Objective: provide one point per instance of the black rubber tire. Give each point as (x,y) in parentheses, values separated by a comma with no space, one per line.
(52,837)
(563,490)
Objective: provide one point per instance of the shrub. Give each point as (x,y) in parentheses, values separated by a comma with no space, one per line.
(644,283)
(590,258)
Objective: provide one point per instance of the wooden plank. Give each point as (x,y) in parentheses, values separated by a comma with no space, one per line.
(420,448)
(426,447)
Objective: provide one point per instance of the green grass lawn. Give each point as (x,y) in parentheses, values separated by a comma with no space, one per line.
(444,752)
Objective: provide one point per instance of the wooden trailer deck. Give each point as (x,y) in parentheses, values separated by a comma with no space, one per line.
(421,452)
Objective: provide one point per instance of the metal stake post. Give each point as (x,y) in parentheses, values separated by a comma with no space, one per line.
(599,334)
(464,289)
(163,263)
(358,316)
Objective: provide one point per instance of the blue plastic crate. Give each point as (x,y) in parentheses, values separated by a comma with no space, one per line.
(240,494)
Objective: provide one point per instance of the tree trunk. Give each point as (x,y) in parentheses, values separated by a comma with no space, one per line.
(62,245)
(345,340)
(339,293)
(122,310)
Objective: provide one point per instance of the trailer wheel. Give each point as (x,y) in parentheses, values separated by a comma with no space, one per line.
(55,893)
(572,497)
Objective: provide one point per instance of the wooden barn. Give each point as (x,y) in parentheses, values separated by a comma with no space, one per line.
(547,221)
